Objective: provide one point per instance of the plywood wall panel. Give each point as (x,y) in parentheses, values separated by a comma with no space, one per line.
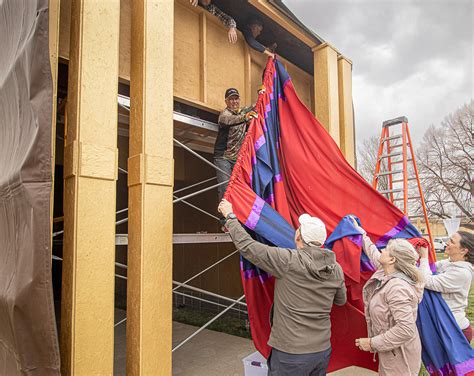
(64,28)
(302,83)
(225,64)
(125,39)
(186,53)
(125,35)
(257,65)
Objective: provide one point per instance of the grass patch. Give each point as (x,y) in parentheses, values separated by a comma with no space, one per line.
(225,324)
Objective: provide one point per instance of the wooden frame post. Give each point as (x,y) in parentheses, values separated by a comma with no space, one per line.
(326,89)
(346,113)
(90,174)
(150,181)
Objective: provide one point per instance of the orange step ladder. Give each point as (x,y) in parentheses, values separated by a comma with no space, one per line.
(395,156)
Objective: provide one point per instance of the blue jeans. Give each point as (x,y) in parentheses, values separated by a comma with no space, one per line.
(227,166)
(283,364)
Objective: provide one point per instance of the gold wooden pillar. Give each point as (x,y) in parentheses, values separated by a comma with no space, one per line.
(326,89)
(150,181)
(203,57)
(90,173)
(346,115)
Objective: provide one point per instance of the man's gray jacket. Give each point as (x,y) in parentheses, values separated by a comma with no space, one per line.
(307,283)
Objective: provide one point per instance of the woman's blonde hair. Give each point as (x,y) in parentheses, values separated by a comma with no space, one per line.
(405,258)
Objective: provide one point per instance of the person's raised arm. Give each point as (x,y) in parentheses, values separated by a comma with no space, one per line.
(444,282)
(371,251)
(229,119)
(273,260)
(341,293)
(368,247)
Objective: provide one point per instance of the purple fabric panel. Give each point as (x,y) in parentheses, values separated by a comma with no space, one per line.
(367,267)
(270,199)
(254,215)
(252,273)
(268,108)
(259,143)
(465,367)
(356,239)
(254,160)
(460,369)
(264,276)
(445,371)
(394,231)
(277,178)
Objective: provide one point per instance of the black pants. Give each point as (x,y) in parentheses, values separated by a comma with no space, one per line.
(283,364)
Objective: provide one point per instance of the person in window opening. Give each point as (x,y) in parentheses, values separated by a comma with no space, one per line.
(233,122)
(308,281)
(251,31)
(454,276)
(226,20)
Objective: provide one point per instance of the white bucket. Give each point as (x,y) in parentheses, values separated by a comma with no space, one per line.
(255,365)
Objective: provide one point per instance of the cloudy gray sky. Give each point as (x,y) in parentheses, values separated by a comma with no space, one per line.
(412,58)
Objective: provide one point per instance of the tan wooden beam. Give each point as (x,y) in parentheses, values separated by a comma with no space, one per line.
(326,89)
(346,115)
(150,181)
(90,173)
(203,56)
(247,75)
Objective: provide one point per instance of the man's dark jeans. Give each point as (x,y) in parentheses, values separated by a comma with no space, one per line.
(283,364)
(227,166)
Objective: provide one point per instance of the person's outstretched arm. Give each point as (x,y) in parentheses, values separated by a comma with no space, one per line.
(448,282)
(371,251)
(341,294)
(226,20)
(252,42)
(273,260)
(229,119)
(368,247)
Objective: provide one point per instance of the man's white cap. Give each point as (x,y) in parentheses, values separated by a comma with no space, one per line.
(312,229)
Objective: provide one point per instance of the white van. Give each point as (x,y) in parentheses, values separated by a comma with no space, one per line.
(439,245)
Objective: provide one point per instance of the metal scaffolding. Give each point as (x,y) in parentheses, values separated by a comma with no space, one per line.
(122,239)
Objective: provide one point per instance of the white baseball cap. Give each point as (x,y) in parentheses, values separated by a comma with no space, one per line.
(312,229)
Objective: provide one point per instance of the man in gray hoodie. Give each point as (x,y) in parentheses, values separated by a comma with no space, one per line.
(308,280)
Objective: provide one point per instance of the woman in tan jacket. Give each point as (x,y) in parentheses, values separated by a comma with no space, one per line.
(391,299)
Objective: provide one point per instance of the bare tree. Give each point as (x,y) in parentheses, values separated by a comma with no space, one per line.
(367,159)
(445,160)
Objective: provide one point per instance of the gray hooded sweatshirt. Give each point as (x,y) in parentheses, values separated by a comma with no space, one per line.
(307,283)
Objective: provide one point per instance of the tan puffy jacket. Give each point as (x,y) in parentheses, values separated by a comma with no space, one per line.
(391,306)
